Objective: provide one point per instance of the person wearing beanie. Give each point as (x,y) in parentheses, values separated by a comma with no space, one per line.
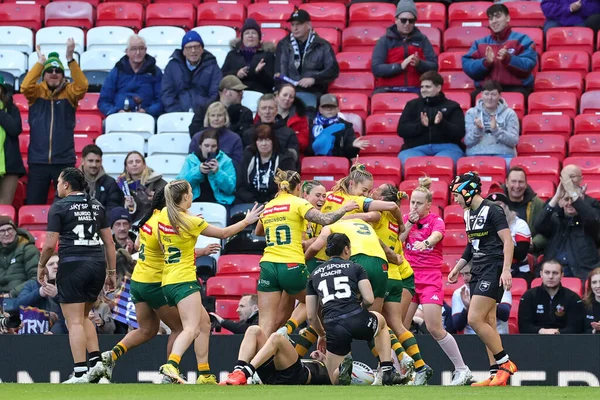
(133,85)
(52,107)
(11,161)
(251,60)
(18,258)
(403,54)
(120,224)
(191,77)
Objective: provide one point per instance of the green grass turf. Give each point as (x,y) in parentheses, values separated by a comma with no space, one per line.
(184,392)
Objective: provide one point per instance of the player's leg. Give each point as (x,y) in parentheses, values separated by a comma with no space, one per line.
(410,313)
(254,340)
(285,310)
(201,345)
(170,316)
(393,317)
(96,369)
(277,346)
(269,296)
(333,363)
(408,340)
(74,317)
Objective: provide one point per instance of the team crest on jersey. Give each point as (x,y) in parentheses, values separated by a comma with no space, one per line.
(276,209)
(393,227)
(484,286)
(560,310)
(167,229)
(147,228)
(335,199)
(384,267)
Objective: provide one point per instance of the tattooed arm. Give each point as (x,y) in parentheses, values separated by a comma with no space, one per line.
(316,216)
(47,251)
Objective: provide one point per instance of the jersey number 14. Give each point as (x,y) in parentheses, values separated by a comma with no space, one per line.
(341,287)
(80,231)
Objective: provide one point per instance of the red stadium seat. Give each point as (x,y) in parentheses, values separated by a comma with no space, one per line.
(573,284)
(8,210)
(25,123)
(238,264)
(592,81)
(371,14)
(226,308)
(354,61)
(80,143)
(390,103)
(326,15)
(70,13)
(331,35)
(19,197)
(544,189)
(356,121)
(439,191)
(171,14)
(324,168)
(566,60)
(224,286)
(121,14)
(271,14)
(590,102)
(449,261)
(519,287)
(457,81)
(454,217)
(553,103)
(460,39)
(25,15)
(382,124)
(361,38)
(89,125)
(535,34)
(384,168)
(431,15)
(571,38)
(356,103)
(590,166)
(455,241)
(89,105)
(434,35)
(273,35)
(358,82)
(469,14)
(490,168)
(543,144)
(568,81)
(449,288)
(593,189)
(441,168)
(40,238)
(584,145)
(450,62)
(462,98)
(34,217)
(596,61)
(525,13)
(554,124)
(24,144)
(541,168)
(225,14)
(20,101)
(383,145)
(588,123)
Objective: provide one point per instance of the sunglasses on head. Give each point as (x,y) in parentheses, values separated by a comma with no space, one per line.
(408,20)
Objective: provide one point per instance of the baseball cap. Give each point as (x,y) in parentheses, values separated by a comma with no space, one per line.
(328,100)
(498,196)
(299,16)
(231,82)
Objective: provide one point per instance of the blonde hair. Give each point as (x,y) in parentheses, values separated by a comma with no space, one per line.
(218,107)
(145,173)
(287,181)
(174,192)
(424,185)
(358,174)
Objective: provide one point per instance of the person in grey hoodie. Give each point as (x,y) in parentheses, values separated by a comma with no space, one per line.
(492,128)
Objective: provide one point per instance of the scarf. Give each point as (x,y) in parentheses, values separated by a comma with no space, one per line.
(324,130)
(2,140)
(262,177)
(298,61)
(248,53)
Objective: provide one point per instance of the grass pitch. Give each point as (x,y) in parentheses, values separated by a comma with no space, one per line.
(184,392)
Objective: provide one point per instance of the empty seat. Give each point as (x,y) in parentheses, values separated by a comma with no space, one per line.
(16,38)
(101,60)
(490,168)
(383,145)
(540,168)
(460,39)
(23,15)
(160,38)
(592,81)
(439,190)
(596,61)
(125,14)
(178,122)
(162,56)
(227,308)
(441,168)
(588,123)
(455,241)
(70,13)
(171,14)
(225,14)
(88,125)
(356,103)
(216,35)
(34,217)
(95,80)
(526,13)
(275,15)
(324,168)
(166,165)
(553,103)
(590,166)
(142,124)
(238,264)
(326,15)
(571,38)
(354,61)
(361,38)
(435,37)
(462,98)
(469,14)
(543,189)
(371,14)
(584,145)
(592,190)
(359,82)
(450,62)
(382,124)
(384,168)
(223,286)
(113,164)
(169,143)
(8,210)
(569,81)
(390,103)
(331,35)
(454,217)
(13,61)
(355,120)
(108,37)
(431,15)
(89,105)
(457,81)
(213,213)
(542,144)
(590,102)
(553,124)
(52,37)
(566,60)
(24,144)
(120,143)
(273,35)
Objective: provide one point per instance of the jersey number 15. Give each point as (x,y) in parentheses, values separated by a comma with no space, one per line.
(341,287)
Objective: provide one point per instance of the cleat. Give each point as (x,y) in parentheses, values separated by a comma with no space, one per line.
(484,383)
(345,377)
(378,380)
(77,380)
(461,377)
(206,380)
(423,376)
(96,372)
(109,364)
(236,378)
(504,372)
(170,371)
(407,367)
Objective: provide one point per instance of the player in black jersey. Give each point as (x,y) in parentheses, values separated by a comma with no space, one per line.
(490,249)
(336,285)
(85,244)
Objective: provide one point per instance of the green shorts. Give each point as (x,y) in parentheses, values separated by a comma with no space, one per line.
(376,269)
(150,293)
(393,293)
(312,264)
(280,277)
(176,292)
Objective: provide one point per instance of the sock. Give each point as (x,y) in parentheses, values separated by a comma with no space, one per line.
(95,358)
(409,343)
(493,369)
(240,364)
(396,346)
(448,344)
(174,360)
(248,370)
(308,337)
(118,351)
(80,369)
(291,325)
(371,344)
(501,357)
(387,366)
(203,369)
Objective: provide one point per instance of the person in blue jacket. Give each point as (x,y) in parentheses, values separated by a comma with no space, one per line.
(133,85)
(191,78)
(209,171)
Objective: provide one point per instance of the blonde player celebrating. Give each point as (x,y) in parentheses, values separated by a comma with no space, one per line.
(177,234)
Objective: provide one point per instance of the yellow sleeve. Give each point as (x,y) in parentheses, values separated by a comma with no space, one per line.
(360,200)
(76,90)
(304,206)
(29,87)
(198,225)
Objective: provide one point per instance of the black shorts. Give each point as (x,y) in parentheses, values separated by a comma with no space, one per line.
(341,332)
(295,374)
(318,372)
(486,282)
(80,281)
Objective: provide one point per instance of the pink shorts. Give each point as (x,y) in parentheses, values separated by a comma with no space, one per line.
(428,286)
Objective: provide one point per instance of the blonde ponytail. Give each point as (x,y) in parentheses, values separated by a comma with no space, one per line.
(174,192)
(358,174)
(424,185)
(287,181)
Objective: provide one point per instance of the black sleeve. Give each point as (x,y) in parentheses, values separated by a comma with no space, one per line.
(11,121)
(498,218)
(454,126)
(197,121)
(54,219)
(101,218)
(575,315)
(361,274)
(527,313)
(235,327)
(310,290)
(468,252)
(521,250)
(543,223)
(228,67)
(349,151)
(410,125)
(589,215)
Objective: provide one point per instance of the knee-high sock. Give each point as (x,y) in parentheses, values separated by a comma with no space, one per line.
(409,343)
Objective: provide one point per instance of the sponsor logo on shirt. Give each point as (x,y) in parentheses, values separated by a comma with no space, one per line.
(384,267)
(276,209)
(292,266)
(166,229)
(147,228)
(393,227)
(540,309)
(435,297)
(335,199)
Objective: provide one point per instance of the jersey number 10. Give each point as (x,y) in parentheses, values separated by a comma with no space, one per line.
(341,287)
(283,236)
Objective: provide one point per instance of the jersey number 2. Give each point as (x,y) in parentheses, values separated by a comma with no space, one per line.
(342,289)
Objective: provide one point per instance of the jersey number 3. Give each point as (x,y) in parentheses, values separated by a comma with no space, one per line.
(342,289)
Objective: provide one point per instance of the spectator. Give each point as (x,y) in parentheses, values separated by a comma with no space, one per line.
(574,173)
(18,258)
(247,311)
(191,77)
(52,106)
(255,181)
(291,110)
(231,90)
(229,142)
(331,135)
(571,226)
(571,13)
(120,224)
(267,114)
(431,125)
(461,300)
(591,302)
(210,171)
(138,183)
(504,56)
(492,128)
(11,161)
(133,85)
(305,58)
(550,309)
(101,187)
(403,54)
(251,60)
(102,318)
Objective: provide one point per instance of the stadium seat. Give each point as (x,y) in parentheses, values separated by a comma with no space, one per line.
(584,145)
(70,13)
(56,36)
(449,288)
(383,145)
(225,14)
(462,98)
(25,123)
(435,37)
(324,168)
(455,241)
(238,264)
(215,35)
(390,103)
(590,166)
(450,62)
(88,125)
(95,80)
(439,191)
(457,81)
(592,81)
(535,34)
(573,284)
(162,38)
(543,144)
(113,164)
(356,103)
(469,14)
(371,14)
(361,38)
(449,261)
(171,14)
(384,168)
(354,61)
(566,60)
(16,38)
(519,287)
(8,210)
(213,213)
(568,81)
(123,14)
(273,35)
(333,36)
(525,13)
(272,14)
(460,39)
(454,217)
(590,102)
(40,238)
(121,143)
(21,15)
(382,124)
(13,61)
(355,82)
(490,168)
(543,189)
(553,103)
(168,165)
(571,38)
(100,60)
(441,168)
(596,61)
(431,15)
(540,168)
(224,286)
(593,189)
(226,308)
(355,120)
(24,144)
(80,143)
(174,122)
(326,14)
(588,123)
(169,143)
(553,124)
(34,217)
(89,105)
(250,100)
(142,124)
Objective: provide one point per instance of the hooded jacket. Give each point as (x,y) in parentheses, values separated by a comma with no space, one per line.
(259,82)
(10,121)
(558,10)
(389,52)
(184,90)
(500,141)
(122,83)
(104,189)
(18,263)
(222,182)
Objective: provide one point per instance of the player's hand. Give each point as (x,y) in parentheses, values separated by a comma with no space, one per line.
(70,48)
(317,355)
(424,119)
(506,280)
(253,215)
(453,275)
(110,284)
(212,248)
(42,274)
(322,344)
(350,206)
(41,56)
(489,55)
(419,246)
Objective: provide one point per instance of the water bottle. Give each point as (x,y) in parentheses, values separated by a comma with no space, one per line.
(126,105)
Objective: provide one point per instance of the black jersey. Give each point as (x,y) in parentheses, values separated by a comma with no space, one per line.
(482,225)
(318,372)
(78,221)
(336,283)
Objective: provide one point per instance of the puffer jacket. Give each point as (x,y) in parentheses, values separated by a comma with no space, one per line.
(259,82)
(18,263)
(502,141)
(52,115)
(222,182)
